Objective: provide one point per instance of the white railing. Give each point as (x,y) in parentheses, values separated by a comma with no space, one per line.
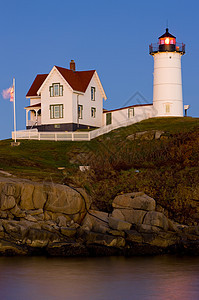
(33,122)
(34,134)
(105,129)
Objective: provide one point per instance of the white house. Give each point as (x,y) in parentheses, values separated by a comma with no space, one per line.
(65,100)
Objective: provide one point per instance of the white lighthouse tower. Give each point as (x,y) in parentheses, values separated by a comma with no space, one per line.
(167,82)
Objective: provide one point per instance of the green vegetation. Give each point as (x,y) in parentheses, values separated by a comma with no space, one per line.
(166,169)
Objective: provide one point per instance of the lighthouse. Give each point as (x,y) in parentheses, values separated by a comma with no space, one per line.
(167,81)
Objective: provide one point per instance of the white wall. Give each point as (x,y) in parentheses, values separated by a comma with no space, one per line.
(35,100)
(167,84)
(46,100)
(121,115)
(87,103)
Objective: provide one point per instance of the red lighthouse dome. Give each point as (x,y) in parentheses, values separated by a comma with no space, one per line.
(167,42)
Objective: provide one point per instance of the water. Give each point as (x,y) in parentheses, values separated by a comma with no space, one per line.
(114,278)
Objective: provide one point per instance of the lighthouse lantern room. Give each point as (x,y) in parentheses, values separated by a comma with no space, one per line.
(167,81)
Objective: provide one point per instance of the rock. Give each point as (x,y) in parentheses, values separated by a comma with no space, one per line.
(146,135)
(34,212)
(69,232)
(39,217)
(133,236)
(40,238)
(1,230)
(162,239)
(134,216)
(39,196)
(26,202)
(117,233)
(30,218)
(49,227)
(14,229)
(27,224)
(105,240)
(65,200)
(8,188)
(96,221)
(158,134)
(9,249)
(119,224)
(155,218)
(117,213)
(7,202)
(17,212)
(47,216)
(137,200)
(54,216)
(3,215)
(147,228)
(61,221)
(66,249)
(172,226)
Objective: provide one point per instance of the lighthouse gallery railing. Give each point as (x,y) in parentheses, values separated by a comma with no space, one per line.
(154,48)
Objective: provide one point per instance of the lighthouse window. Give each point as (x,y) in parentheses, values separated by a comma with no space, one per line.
(167,108)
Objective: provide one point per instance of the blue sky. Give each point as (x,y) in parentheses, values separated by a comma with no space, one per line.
(109,36)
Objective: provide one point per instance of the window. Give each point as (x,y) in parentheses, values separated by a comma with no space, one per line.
(131,112)
(93,112)
(80,111)
(56,111)
(108,118)
(167,108)
(93,93)
(56,90)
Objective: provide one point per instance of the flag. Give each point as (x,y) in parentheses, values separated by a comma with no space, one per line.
(8,93)
(12,94)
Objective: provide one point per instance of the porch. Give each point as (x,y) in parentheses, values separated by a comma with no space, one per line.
(33,115)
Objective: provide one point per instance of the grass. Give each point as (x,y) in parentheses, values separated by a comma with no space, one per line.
(40,159)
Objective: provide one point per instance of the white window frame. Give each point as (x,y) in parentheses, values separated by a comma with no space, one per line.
(80,111)
(56,90)
(92,93)
(131,112)
(93,112)
(167,108)
(56,111)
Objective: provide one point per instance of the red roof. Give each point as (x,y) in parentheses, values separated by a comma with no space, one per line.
(135,105)
(78,80)
(34,105)
(36,85)
(167,34)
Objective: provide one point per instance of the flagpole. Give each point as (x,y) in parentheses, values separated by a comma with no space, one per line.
(15,133)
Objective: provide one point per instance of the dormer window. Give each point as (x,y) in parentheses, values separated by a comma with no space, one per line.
(93,93)
(56,90)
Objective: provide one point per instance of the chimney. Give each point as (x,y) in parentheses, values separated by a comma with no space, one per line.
(72,65)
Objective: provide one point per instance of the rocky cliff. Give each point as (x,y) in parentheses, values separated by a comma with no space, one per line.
(57,220)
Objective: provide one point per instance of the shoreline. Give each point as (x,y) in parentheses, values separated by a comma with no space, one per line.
(57,220)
